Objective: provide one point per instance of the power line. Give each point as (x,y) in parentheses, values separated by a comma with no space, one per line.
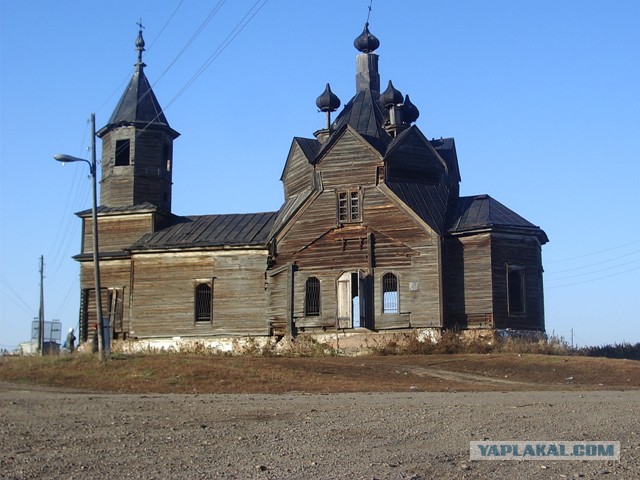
(597,252)
(166,24)
(16,299)
(198,31)
(594,279)
(611,267)
(225,43)
(594,264)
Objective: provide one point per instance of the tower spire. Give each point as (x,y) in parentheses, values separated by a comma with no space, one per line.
(140,42)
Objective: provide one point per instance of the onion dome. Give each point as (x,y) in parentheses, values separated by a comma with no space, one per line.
(328,101)
(410,112)
(366,42)
(391,96)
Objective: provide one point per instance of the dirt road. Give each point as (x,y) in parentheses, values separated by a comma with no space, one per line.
(49,433)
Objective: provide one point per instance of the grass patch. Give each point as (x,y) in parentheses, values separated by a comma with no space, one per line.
(180,373)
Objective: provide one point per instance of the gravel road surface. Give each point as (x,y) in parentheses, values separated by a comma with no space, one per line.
(52,433)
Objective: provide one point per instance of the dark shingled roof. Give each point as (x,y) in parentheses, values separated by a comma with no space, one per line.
(429,202)
(239,229)
(138,103)
(482,211)
(138,106)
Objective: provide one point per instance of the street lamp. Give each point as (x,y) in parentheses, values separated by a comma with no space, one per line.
(103,347)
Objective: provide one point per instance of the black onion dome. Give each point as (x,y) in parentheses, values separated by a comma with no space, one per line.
(328,101)
(366,42)
(410,112)
(391,96)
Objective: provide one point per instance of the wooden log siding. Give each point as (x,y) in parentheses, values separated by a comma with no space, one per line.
(468,281)
(116,232)
(524,251)
(113,274)
(163,299)
(297,172)
(277,301)
(350,163)
(401,244)
(328,299)
(148,176)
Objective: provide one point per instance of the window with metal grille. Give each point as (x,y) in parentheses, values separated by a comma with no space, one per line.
(349,206)
(312,297)
(390,296)
(515,289)
(203,300)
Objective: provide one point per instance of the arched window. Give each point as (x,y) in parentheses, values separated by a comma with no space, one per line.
(312,297)
(390,295)
(203,301)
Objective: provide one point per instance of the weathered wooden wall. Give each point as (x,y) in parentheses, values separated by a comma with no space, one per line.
(114,274)
(163,293)
(524,251)
(468,281)
(387,239)
(297,173)
(116,232)
(147,178)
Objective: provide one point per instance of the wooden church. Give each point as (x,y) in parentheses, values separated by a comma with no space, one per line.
(372,234)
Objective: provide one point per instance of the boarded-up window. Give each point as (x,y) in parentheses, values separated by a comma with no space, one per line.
(122,156)
(516,289)
(312,297)
(349,206)
(115,299)
(390,295)
(203,301)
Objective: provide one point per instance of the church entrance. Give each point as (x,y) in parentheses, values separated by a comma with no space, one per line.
(353,300)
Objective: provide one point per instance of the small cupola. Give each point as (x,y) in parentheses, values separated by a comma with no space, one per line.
(367,76)
(366,42)
(410,112)
(327,102)
(392,99)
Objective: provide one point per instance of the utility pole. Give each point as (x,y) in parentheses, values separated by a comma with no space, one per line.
(41,314)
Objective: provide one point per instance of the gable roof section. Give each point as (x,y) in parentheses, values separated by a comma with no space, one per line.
(446,148)
(290,207)
(366,115)
(429,202)
(309,148)
(482,211)
(240,229)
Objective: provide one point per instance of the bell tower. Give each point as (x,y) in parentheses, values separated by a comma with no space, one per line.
(137,147)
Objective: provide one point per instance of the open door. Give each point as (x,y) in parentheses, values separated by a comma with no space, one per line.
(352,300)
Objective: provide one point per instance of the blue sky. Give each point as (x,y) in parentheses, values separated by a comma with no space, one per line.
(542,97)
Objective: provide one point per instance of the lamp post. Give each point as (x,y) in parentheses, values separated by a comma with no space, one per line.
(103,347)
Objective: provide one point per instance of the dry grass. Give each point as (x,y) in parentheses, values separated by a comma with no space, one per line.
(179,373)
